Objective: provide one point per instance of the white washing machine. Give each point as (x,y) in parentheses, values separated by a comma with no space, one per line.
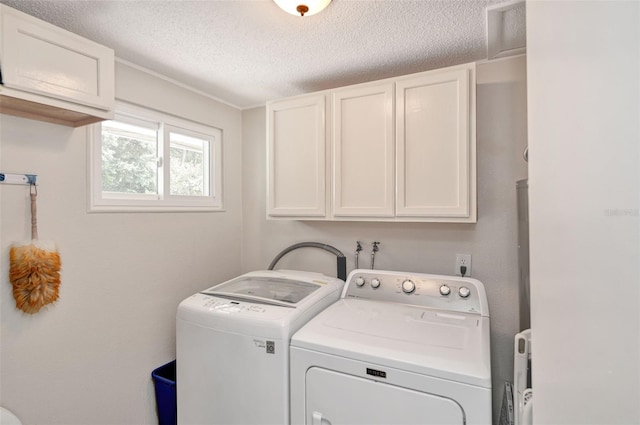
(397,348)
(233,345)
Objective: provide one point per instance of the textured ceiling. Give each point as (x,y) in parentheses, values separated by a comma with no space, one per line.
(245,52)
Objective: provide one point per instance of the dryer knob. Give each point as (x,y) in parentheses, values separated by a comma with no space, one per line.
(445,290)
(359,281)
(375,283)
(464,291)
(408,286)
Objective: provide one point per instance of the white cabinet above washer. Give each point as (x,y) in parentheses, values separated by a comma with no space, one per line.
(51,74)
(363,151)
(435,145)
(400,149)
(296,152)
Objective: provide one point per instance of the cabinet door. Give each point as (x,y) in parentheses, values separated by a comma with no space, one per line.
(296,157)
(40,58)
(435,145)
(363,151)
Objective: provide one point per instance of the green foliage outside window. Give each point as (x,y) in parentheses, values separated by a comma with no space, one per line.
(187,172)
(128,165)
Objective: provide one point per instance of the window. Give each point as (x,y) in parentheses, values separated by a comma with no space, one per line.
(144,160)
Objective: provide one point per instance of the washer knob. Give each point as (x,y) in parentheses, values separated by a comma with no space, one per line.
(408,286)
(375,283)
(360,281)
(445,290)
(464,291)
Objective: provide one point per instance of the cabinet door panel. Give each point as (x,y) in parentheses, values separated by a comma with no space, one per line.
(43,59)
(296,154)
(434,146)
(363,151)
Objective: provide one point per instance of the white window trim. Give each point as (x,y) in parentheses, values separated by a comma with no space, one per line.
(99,202)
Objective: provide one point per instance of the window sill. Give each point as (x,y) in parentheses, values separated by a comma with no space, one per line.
(152,209)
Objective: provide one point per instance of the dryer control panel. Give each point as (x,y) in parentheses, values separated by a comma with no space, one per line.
(453,293)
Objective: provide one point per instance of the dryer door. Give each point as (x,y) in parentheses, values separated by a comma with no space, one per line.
(334,398)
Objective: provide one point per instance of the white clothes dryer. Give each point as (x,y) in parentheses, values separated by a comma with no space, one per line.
(233,345)
(397,348)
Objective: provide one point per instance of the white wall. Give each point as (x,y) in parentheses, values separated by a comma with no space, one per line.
(87,359)
(420,247)
(584,114)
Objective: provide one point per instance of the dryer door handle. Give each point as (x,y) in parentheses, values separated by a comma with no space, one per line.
(317,419)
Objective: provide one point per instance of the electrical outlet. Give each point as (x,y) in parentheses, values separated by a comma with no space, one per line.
(463,260)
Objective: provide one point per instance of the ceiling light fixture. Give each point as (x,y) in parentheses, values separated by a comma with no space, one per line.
(302,7)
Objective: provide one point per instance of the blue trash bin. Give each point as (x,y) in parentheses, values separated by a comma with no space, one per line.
(164,381)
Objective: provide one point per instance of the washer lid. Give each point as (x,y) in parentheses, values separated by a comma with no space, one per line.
(265,290)
(266,303)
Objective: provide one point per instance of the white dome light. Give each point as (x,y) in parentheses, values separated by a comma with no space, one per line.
(302,7)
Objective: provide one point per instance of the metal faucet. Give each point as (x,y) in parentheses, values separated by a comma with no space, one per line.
(373,253)
(358,249)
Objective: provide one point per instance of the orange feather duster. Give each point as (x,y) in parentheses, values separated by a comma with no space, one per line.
(34,269)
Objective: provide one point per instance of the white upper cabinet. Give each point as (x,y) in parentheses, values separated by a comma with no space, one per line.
(363,146)
(435,145)
(400,149)
(296,154)
(51,74)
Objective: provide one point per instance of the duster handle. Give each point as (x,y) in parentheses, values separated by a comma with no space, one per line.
(34,216)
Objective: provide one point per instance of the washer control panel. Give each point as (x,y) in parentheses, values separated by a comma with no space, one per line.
(453,293)
(212,303)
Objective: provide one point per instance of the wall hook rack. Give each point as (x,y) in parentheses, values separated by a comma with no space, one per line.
(15,178)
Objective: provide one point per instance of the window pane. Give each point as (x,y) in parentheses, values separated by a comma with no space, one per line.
(129,158)
(189,166)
